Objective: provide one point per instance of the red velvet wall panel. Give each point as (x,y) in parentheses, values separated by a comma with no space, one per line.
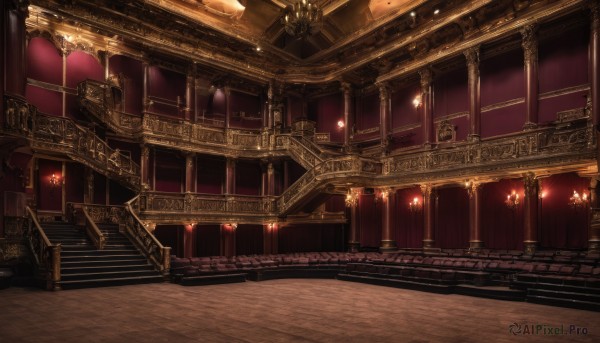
(211,175)
(336,203)
(502,78)
(550,106)
(563,226)
(82,66)
(169,172)
(403,110)
(49,197)
(503,120)
(208,240)
(44,63)
(72,108)
(409,224)
(248,239)
(47,101)
(247,103)
(407,138)
(248,178)
(367,113)
(166,84)
(369,213)
(171,236)
(502,226)
(329,110)
(452,219)
(451,93)
(133,75)
(217,102)
(295,171)
(295,107)
(99,189)
(563,59)
(75,182)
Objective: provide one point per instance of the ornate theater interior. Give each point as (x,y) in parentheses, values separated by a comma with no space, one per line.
(447,146)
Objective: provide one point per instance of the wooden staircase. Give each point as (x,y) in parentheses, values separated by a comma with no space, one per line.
(82,265)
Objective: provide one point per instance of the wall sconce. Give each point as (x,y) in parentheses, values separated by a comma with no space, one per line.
(415,205)
(54,181)
(577,200)
(233,226)
(352,198)
(341,124)
(512,200)
(417,101)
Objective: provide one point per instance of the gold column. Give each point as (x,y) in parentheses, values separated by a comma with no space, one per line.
(475,239)
(353,201)
(428,213)
(190,93)
(594,225)
(388,239)
(230,176)
(347,92)
(227,92)
(530,216)
(145,99)
(530,48)
(472,56)
(144,167)
(427,105)
(190,172)
(594,56)
(384,116)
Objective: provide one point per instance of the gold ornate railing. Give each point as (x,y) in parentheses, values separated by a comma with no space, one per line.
(144,239)
(529,149)
(45,254)
(197,203)
(97,99)
(78,214)
(62,135)
(343,169)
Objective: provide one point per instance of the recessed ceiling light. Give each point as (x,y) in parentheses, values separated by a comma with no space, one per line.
(436,11)
(413,14)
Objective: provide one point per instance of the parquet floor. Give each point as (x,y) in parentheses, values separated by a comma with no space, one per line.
(292,310)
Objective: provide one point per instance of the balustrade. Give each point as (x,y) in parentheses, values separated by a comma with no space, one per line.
(45,254)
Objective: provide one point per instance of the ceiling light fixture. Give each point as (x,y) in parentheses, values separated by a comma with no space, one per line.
(303,19)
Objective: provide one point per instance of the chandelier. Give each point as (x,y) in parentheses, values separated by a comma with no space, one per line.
(415,205)
(302,19)
(577,200)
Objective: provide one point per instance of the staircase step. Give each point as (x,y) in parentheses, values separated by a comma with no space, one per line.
(110,282)
(105,269)
(103,257)
(99,263)
(107,275)
(83,252)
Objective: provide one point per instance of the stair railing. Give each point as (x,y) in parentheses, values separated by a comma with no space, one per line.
(45,254)
(144,239)
(79,215)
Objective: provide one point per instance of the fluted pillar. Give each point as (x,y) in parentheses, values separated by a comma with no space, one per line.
(270,238)
(190,172)
(190,87)
(354,235)
(270,95)
(594,228)
(428,213)
(230,176)
(472,56)
(530,49)
(388,239)
(385,109)
(530,216)
(14,14)
(475,233)
(145,87)
(189,241)
(594,55)
(144,167)
(347,92)
(427,105)
(228,239)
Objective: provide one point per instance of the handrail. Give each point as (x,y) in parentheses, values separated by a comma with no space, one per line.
(145,240)
(46,254)
(93,231)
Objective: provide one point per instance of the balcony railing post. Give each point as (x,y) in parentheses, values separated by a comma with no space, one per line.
(55,276)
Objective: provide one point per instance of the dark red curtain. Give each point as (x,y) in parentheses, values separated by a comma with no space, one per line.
(409,223)
(452,218)
(369,213)
(311,237)
(249,239)
(502,226)
(169,171)
(248,178)
(171,236)
(208,240)
(210,175)
(563,226)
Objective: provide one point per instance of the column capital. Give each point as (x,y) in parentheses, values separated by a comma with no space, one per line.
(426,190)
(345,87)
(426,79)
(384,91)
(472,187)
(472,56)
(145,150)
(530,43)
(595,15)
(530,184)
